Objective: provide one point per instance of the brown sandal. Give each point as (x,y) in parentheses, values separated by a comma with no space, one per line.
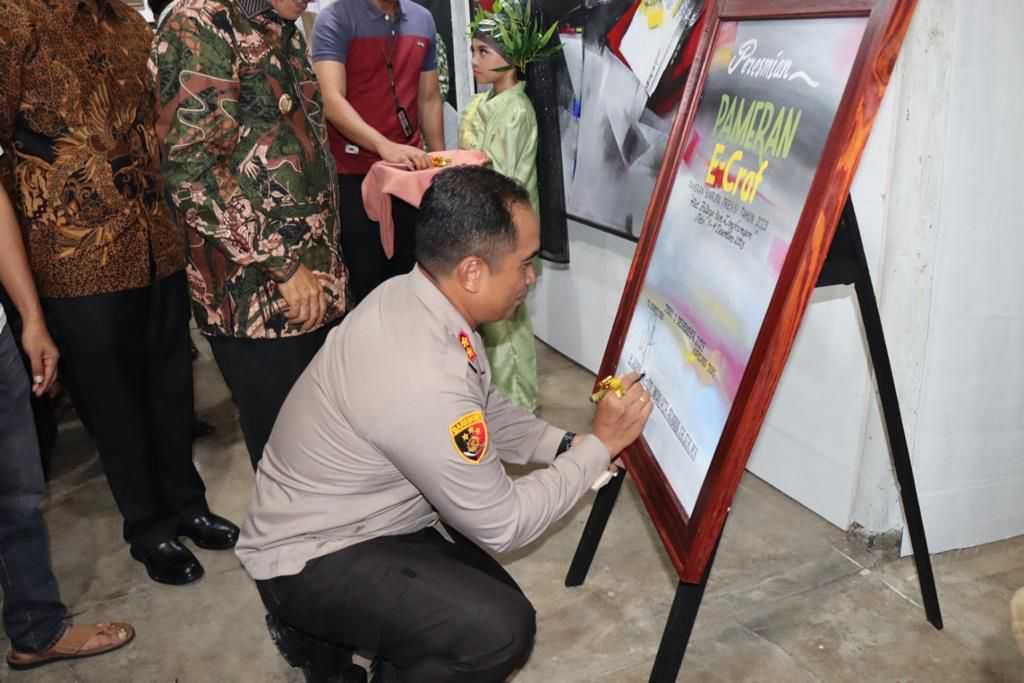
(72,645)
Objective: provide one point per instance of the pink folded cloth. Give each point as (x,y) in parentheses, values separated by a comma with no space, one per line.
(386,179)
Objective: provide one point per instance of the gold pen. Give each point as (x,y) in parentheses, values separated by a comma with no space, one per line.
(610,383)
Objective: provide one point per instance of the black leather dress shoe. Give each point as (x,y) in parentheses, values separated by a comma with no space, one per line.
(384,672)
(170,562)
(320,661)
(209,531)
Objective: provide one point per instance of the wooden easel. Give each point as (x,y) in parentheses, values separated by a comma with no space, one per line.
(847,264)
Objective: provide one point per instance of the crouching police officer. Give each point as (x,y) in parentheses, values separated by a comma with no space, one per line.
(394,438)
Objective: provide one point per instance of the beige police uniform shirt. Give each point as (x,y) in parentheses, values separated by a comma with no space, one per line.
(394,426)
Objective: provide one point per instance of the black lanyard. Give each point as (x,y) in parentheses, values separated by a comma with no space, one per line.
(389,56)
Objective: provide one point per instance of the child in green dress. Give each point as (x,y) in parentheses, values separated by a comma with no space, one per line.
(502,124)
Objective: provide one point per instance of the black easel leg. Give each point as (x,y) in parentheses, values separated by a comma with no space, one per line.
(604,503)
(681,619)
(894,424)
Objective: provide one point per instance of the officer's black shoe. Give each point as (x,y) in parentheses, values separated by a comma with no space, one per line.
(320,662)
(384,672)
(169,562)
(288,641)
(209,531)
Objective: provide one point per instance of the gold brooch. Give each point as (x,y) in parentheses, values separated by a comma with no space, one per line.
(285,104)
(440,162)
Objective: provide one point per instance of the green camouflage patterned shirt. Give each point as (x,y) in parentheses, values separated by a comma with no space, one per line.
(246,163)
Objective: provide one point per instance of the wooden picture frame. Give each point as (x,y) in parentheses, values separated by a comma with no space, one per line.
(690,535)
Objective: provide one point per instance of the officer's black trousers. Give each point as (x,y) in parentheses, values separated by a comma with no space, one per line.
(433,610)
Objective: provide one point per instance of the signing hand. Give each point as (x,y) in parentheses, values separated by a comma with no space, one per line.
(413,158)
(42,354)
(307,303)
(618,422)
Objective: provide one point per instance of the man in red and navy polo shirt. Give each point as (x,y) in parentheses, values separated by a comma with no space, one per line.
(377,65)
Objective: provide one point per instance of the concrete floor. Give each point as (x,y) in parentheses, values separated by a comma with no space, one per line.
(791,598)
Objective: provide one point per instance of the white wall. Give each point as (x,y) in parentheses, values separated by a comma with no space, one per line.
(939,207)
(970,408)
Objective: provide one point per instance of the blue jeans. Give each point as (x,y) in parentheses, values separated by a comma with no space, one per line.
(33,614)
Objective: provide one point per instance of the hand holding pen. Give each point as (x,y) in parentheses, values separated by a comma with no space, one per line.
(611,384)
(622,411)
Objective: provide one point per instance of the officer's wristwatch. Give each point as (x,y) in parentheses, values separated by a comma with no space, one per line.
(566,443)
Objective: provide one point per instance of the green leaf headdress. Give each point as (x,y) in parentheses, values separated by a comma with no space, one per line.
(515,31)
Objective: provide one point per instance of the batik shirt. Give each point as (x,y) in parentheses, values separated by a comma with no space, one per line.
(83,170)
(246,163)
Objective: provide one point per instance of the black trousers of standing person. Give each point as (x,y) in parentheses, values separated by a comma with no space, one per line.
(125,361)
(431,610)
(360,240)
(260,373)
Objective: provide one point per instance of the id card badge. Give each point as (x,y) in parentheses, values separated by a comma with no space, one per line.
(403,121)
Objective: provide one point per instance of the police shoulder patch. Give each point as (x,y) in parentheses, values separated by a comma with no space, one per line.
(469,436)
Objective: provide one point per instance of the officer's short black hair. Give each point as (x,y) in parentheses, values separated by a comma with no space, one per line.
(466,212)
